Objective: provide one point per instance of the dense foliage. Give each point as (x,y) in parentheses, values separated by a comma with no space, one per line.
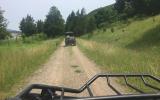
(132,7)
(27,26)
(3,24)
(79,23)
(54,23)
(40,26)
(51,27)
(124,9)
(103,17)
(106,16)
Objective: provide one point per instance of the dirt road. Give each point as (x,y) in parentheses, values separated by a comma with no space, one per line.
(69,67)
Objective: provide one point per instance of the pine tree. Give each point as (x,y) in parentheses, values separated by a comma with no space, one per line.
(40,26)
(27,26)
(91,24)
(3,25)
(54,23)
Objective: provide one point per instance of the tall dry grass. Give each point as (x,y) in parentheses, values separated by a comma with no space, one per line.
(132,48)
(17,61)
(120,60)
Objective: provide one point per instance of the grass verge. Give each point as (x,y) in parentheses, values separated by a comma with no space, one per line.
(119,60)
(130,48)
(18,60)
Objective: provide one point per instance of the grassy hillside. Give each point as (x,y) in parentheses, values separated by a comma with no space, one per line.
(132,47)
(18,60)
(92,13)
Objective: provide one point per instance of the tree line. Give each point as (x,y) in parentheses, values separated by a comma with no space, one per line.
(133,7)
(54,24)
(79,22)
(51,27)
(124,9)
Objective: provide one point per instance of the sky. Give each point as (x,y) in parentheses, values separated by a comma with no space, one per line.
(15,10)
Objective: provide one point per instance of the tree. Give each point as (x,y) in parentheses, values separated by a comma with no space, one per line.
(78,13)
(83,12)
(3,25)
(129,9)
(107,16)
(54,23)
(91,24)
(83,21)
(77,22)
(70,23)
(80,22)
(40,26)
(27,26)
(120,5)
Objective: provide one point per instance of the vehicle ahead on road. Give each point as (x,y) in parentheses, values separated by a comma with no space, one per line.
(59,93)
(70,39)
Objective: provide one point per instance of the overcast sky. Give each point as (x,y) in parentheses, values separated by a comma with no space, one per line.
(15,10)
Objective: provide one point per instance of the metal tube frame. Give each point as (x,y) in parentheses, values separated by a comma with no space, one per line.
(141,96)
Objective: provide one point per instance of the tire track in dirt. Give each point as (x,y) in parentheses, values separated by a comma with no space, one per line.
(99,87)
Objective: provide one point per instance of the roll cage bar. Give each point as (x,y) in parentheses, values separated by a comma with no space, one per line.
(142,95)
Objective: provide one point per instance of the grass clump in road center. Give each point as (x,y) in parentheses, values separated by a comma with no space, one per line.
(78,71)
(18,60)
(75,66)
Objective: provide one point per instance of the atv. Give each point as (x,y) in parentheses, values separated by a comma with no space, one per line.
(70,39)
(58,93)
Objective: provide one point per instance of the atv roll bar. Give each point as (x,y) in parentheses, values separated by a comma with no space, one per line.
(119,96)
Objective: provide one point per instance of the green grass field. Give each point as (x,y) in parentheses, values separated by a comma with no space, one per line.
(18,60)
(131,48)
